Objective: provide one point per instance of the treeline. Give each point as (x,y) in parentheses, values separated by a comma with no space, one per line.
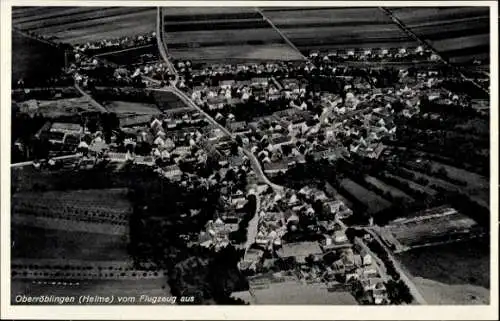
(131,94)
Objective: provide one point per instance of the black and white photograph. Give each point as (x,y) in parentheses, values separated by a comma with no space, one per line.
(273,155)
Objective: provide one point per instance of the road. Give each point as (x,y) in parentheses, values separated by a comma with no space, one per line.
(162,47)
(327,111)
(415,292)
(187,100)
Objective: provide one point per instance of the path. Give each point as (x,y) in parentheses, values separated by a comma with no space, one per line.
(285,38)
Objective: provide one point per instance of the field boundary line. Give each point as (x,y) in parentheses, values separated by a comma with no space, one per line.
(122,50)
(409,32)
(283,36)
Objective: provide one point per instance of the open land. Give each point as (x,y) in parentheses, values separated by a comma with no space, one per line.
(338,28)
(58,108)
(209,34)
(26,63)
(456,33)
(77,25)
(455,273)
(294,292)
(373,202)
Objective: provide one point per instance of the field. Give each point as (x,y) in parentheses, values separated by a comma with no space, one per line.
(33,242)
(151,287)
(59,107)
(167,100)
(293,292)
(460,34)
(387,188)
(77,25)
(338,28)
(122,108)
(34,61)
(374,202)
(429,229)
(455,273)
(215,34)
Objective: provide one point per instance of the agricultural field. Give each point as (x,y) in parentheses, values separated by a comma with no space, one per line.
(459,34)
(454,273)
(166,100)
(77,25)
(387,188)
(373,202)
(57,108)
(151,287)
(34,61)
(338,28)
(412,185)
(43,243)
(124,108)
(222,34)
(293,292)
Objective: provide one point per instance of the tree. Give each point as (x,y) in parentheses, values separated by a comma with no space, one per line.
(398,292)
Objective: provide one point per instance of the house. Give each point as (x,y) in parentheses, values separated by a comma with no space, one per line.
(260,82)
(251,260)
(239,127)
(172,172)
(300,251)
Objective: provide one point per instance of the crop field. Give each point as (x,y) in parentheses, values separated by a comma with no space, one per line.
(338,28)
(133,56)
(167,100)
(59,107)
(374,202)
(34,60)
(151,287)
(454,273)
(414,186)
(76,25)
(34,242)
(123,108)
(460,34)
(387,188)
(477,185)
(215,34)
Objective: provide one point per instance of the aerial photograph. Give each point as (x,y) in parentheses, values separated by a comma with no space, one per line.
(250,155)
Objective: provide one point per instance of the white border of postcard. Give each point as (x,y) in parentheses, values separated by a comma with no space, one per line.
(292,312)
